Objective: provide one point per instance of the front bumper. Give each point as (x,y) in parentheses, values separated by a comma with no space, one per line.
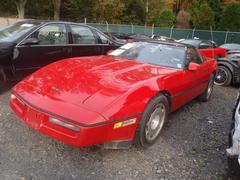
(87,136)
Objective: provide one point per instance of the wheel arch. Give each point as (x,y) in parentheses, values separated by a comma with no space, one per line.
(227,64)
(165,93)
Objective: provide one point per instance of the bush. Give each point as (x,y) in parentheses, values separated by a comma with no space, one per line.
(230,19)
(202,16)
(166,19)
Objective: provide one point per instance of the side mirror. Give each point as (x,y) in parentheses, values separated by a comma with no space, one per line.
(30,41)
(193,66)
(204,46)
(109,52)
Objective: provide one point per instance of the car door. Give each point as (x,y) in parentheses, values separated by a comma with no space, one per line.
(83,41)
(196,81)
(52,46)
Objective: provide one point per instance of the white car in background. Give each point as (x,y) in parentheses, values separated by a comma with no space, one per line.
(233,152)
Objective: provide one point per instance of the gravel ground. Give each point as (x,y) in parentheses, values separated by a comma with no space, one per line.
(192,146)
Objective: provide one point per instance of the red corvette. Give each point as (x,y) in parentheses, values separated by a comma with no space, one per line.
(207,48)
(116,99)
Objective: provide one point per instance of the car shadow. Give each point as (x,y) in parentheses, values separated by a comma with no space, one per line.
(6,86)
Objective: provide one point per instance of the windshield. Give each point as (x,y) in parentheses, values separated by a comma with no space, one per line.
(153,53)
(15,31)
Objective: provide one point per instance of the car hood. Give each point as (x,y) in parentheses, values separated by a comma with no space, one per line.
(89,80)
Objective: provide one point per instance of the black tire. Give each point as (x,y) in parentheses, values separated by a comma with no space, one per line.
(157,105)
(233,167)
(205,96)
(223,77)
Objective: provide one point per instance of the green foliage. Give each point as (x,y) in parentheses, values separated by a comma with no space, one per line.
(202,16)
(203,13)
(231,17)
(41,9)
(76,10)
(216,6)
(8,8)
(108,10)
(166,19)
(155,8)
(134,12)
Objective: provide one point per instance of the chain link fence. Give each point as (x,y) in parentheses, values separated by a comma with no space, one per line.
(219,37)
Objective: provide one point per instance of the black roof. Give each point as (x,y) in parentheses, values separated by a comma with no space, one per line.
(169,43)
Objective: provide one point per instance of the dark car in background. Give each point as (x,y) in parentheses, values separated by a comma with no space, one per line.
(29,45)
(163,38)
(228,71)
(207,47)
(124,37)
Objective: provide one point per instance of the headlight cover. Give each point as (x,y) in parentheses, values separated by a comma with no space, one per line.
(63,124)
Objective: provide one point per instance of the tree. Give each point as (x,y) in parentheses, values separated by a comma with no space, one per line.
(216,6)
(21,8)
(166,18)
(7,9)
(154,9)
(56,6)
(134,12)
(183,19)
(108,10)
(202,16)
(230,17)
(39,9)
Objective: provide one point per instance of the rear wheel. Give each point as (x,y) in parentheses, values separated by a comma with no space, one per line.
(153,119)
(223,77)
(205,96)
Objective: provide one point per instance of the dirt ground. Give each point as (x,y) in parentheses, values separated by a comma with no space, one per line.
(192,146)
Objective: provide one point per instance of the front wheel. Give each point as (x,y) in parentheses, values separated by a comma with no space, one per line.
(153,119)
(205,96)
(223,77)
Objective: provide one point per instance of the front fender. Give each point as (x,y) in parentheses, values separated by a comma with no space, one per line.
(230,65)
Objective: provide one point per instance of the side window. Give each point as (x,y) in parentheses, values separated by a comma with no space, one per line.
(193,56)
(52,34)
(205,45)
(82,35)
(103,39)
